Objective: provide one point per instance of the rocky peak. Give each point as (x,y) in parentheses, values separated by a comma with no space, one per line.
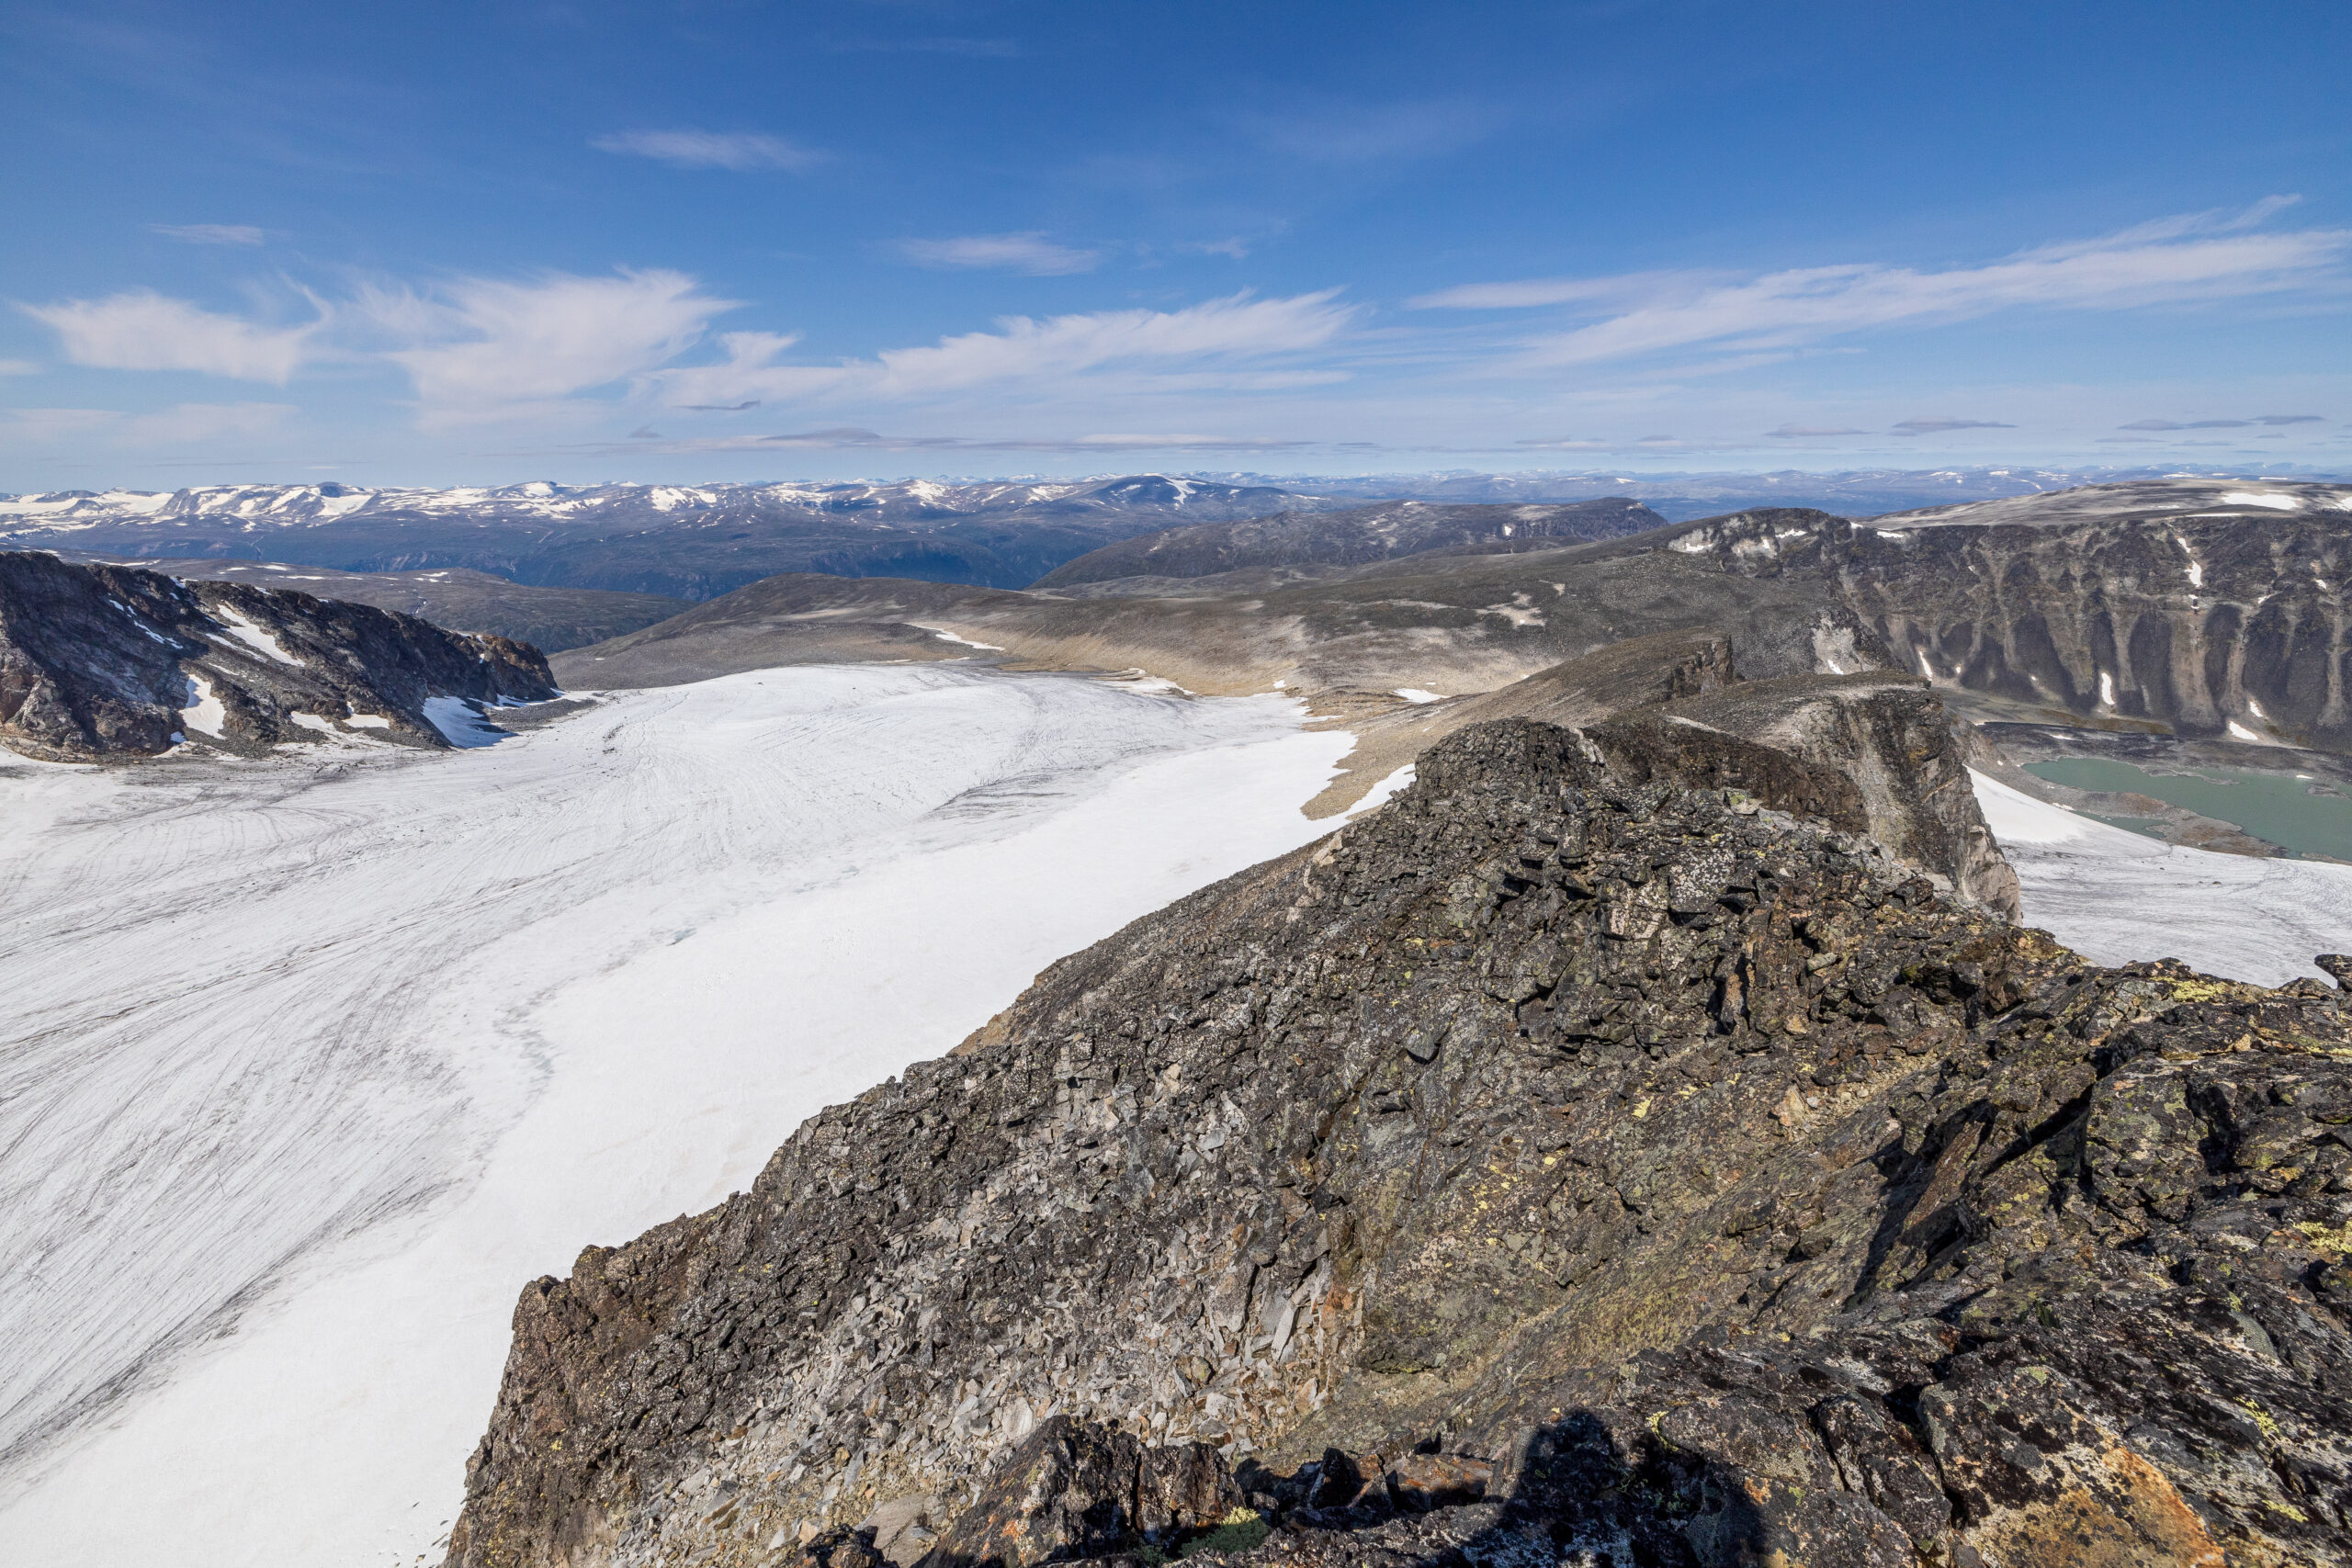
(1562,1162)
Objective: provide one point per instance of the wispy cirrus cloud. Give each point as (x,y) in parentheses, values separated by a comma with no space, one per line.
(742,152)
(210,233)
(2223,423)
(1944,426)
(1029,252)
(562,346)
(141,330)
(1022,350)
(1624,290)
(483,347)
(1803,431)
(2186,259)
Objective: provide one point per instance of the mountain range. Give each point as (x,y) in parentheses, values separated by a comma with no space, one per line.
(683,541)
(694,542)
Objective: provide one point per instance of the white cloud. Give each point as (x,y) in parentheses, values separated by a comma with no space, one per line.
(210,233)
(19,368)
(1031,254)
(739,151)
(141,330)
(1806,432)
(1626,289)
(484,348)
(1023,350)
(2198,257)
(1234,327)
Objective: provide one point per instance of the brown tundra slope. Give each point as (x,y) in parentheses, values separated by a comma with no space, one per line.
(1549,1167)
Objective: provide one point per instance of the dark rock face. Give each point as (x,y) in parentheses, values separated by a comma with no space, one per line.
(2195,622)
(1077,1489)
(1697,1186)
(1356,537)
(105,662)
(1906,757)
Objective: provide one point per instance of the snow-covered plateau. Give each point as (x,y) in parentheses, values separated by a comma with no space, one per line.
(311,1064)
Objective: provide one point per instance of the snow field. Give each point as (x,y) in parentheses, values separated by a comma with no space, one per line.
(315,1066)
(2114,896)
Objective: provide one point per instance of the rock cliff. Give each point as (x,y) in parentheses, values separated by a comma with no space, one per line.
(1565,1163)
(2232,621)
(109,662)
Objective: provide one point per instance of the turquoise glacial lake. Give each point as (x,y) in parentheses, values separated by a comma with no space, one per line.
(2276,806)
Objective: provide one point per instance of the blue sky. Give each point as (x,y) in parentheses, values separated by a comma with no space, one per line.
(439,243)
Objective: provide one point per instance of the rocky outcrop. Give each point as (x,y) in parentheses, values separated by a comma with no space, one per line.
(1872,754)
(108,663)
(2225,623)
(1553,1166)
(1906,756)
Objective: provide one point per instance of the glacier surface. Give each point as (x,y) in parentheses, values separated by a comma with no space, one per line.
(310,1065)
(2114,896)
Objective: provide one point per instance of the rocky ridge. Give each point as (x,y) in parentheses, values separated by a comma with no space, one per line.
(1563,1163)
(2207,615)
(109,663)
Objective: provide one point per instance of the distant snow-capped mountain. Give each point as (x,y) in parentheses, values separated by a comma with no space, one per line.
(687,541)
(908,500)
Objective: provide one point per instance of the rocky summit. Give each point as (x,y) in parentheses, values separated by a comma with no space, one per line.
(1565,1163)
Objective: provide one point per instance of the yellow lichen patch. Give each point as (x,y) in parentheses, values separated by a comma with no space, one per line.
(2337,1239)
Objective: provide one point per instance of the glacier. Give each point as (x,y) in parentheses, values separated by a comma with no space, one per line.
(312,1063)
